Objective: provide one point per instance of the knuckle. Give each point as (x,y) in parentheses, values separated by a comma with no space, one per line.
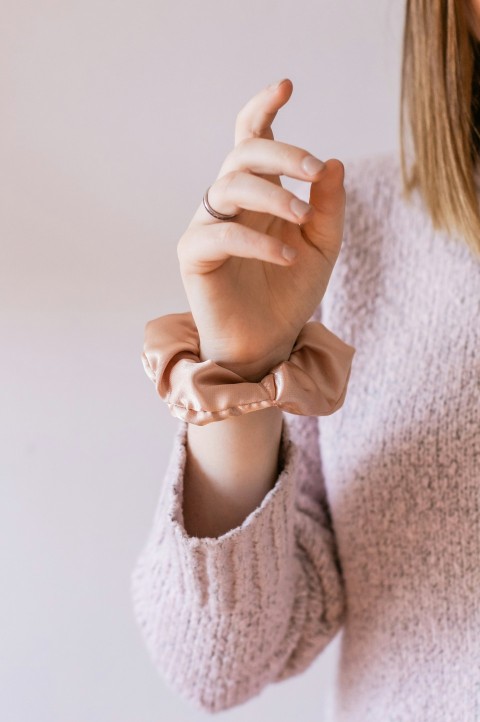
(181,246)
(286,155)
(242,114)
(180,251)
(232,158)
(229,231)
(261,131)
(244,143)
(228,161)
(239,123)
(228,180)
(275,195)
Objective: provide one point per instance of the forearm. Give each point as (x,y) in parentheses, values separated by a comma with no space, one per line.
(231,465)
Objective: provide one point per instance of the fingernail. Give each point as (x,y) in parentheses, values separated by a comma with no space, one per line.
(289,253)
(300,208)
(312,165)
(274,86)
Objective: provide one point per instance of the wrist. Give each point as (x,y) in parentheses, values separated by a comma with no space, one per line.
(253,371)
(313,384)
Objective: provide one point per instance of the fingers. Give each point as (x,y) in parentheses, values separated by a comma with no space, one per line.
(271,157)
(239,190)
(324,227)
(203,248)
(256,117)
(249,178)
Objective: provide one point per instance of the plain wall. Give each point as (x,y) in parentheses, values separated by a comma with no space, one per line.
(115,117)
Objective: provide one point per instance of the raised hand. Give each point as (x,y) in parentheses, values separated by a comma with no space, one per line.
(249,301)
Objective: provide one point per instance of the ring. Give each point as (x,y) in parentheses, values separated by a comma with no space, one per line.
(214,213)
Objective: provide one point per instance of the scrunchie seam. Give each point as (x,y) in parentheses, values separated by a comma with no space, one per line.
(272,402)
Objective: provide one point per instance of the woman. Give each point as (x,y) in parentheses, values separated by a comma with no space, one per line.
(274,531)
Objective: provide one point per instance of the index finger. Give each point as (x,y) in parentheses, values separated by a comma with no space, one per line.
(256,117)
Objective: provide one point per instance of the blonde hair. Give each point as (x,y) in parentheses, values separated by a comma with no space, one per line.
(440,105)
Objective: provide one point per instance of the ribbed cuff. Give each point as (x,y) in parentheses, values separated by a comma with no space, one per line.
(218,570)
(215,611)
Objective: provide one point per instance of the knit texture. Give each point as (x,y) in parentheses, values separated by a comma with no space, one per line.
(372,529)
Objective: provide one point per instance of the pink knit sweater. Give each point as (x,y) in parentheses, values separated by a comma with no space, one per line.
(373,526)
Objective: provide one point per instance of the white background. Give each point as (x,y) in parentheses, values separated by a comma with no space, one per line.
(115,117)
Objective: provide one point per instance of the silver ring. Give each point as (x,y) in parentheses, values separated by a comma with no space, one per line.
(214,213)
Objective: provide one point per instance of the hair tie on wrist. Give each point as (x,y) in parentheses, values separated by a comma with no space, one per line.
(312,382)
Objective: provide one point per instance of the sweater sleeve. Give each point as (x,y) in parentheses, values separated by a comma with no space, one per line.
(224,617)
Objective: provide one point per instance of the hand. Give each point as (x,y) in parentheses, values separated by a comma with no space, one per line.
(248,301)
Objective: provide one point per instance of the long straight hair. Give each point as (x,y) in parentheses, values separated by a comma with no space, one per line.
(440,106)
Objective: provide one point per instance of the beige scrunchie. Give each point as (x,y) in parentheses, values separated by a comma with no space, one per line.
(312,382)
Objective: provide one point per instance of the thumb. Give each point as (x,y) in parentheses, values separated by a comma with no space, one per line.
(327,196)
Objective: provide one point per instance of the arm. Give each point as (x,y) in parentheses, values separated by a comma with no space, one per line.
(223,617)
(230,467)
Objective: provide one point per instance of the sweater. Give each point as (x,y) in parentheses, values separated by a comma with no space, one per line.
(372,528)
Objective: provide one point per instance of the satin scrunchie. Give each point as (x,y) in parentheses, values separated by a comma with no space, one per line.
(312,382)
